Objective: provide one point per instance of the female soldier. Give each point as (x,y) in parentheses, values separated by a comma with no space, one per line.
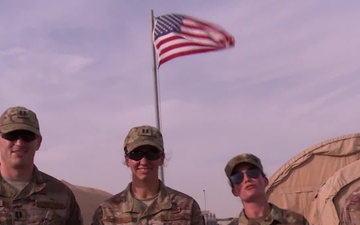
(146,200)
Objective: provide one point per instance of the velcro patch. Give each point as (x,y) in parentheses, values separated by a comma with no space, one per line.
(49,205)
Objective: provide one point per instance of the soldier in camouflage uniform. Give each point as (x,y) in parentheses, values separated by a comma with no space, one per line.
(248,182)
(146,200)
(28,196)
(350,214)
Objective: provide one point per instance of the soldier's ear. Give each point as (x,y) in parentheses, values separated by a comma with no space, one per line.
(38,142)
(235,192)
(126,159)
(266,181)
(162,159)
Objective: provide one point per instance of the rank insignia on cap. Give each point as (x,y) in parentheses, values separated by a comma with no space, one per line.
(21,113)
(145,132)
(19,215)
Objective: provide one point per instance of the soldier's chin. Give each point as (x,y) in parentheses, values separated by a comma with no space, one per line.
(20,165)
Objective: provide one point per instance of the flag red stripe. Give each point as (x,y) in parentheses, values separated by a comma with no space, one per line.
(202,25)
(184,53)
(171,38)
(175,46)
(196,35)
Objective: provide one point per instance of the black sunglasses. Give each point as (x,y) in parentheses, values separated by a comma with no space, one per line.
(151,155)
(25,135)
(239,177)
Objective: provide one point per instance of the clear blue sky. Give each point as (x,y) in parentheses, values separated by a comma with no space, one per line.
(85,67)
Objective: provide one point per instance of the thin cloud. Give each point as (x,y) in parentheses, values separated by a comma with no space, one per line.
(86,69)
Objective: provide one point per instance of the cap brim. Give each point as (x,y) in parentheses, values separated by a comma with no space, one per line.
(142,143)
(245,161)
(13,127)
(230,170)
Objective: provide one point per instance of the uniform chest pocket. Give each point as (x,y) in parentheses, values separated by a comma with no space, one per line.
(125,219)
(171,218)
(46,213)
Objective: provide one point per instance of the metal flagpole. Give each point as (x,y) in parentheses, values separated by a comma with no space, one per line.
(204,199)
(154,68)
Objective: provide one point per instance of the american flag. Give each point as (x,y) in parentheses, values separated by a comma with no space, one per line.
(177,35)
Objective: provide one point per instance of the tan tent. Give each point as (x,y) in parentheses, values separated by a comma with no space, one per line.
(88,199)
(317,181)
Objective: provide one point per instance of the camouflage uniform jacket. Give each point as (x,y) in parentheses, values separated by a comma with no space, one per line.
(44,200)
(170,207)
(276,216)
(350,214)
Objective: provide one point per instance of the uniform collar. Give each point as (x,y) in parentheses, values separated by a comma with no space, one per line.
(36,184)
(274,214)
(162,202)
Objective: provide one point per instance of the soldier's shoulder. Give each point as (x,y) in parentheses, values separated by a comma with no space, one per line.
(354,197)
(290,216)
(178,194)
(53,182)
(234,221)
(293,215)
(350,213)
(182,199)
(116,199)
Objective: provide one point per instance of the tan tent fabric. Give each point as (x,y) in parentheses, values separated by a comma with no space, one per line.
(297,183)
(88,199)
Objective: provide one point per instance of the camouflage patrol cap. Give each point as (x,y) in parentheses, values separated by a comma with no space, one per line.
(19,118)
(143,135)
(243,158)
